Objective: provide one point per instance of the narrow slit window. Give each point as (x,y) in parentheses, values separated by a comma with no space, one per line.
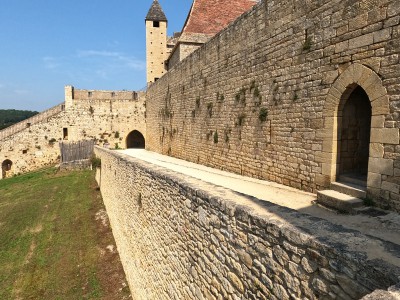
(65,133)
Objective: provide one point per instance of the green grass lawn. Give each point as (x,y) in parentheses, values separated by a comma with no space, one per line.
(53,245)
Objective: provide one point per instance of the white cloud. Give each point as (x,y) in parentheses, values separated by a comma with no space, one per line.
(115,59)
(51,62)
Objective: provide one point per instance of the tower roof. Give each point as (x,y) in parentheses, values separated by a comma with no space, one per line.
(156,13)
(211,16)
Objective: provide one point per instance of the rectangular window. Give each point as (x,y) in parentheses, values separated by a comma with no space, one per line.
(65,133)
(156,24)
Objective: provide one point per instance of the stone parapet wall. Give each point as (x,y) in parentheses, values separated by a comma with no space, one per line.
(43,116)
(104,95)
(261,98)
(181,238)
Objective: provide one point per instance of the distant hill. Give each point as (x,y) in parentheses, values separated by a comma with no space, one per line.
(9,117)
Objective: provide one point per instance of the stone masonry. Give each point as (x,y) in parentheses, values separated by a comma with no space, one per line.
(265,97)
(106,116)
(181,238)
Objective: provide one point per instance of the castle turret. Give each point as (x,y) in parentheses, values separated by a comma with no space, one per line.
(156,42)
(69,96)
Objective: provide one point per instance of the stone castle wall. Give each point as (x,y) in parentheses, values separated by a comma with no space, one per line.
(41,117)
(107,116)
(181,238)
(262,97)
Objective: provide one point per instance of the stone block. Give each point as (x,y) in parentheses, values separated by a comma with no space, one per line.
(328,169)
(378,121)
(380,166)
(378,93)
(382,35)
(374,180)
(393,9)
(361,41)
(385,135)
(323,180)
(376,150)
(390,186)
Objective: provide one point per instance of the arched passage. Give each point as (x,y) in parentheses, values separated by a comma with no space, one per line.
(354,129)
(135,140)
(356,82)
(6,167)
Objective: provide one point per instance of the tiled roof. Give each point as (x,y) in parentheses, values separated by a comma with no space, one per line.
(156,13)
(211,16)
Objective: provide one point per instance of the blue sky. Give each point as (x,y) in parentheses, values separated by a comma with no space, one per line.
(90,44)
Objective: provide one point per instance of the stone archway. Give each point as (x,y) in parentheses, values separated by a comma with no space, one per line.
(355,77)
(6,168)
(135,140)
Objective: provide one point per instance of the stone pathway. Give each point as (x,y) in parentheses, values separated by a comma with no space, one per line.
(385,227)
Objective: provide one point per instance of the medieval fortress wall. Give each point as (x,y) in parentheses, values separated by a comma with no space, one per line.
(107,116)
(263,98)
(182,238)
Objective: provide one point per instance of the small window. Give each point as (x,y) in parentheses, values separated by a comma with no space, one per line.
(28,125)
(89,94)
(112,94)
(24,151)
(156,78)
(65,133)
(156,24)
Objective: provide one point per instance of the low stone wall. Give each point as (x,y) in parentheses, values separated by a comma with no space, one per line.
(181,238)
(81,164)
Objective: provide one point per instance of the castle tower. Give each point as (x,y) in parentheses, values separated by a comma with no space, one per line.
(156,42)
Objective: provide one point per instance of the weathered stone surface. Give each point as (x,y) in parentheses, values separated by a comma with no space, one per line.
(302,91)
(352,288)
(385,136)
(186,253)
(381,166)
(236,282)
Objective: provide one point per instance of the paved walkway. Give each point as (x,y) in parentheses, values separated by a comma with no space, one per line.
(385,227)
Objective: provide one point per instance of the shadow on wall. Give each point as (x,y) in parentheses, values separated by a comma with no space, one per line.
(135,140)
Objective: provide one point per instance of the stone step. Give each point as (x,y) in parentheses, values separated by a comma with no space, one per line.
(353,180)
(350,189)
(339,201)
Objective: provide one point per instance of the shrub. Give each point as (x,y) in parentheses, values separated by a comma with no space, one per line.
(216,137)
(209,109)
(241,118)
(263,114)
(96,161)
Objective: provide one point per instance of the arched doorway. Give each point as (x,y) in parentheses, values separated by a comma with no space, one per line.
(361,81)
(135,140)
(6,167)
(354,129)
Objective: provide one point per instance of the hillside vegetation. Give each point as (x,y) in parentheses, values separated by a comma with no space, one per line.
(9,117)
(55,240)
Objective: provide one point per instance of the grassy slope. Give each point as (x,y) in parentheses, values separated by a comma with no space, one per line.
(51,247)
